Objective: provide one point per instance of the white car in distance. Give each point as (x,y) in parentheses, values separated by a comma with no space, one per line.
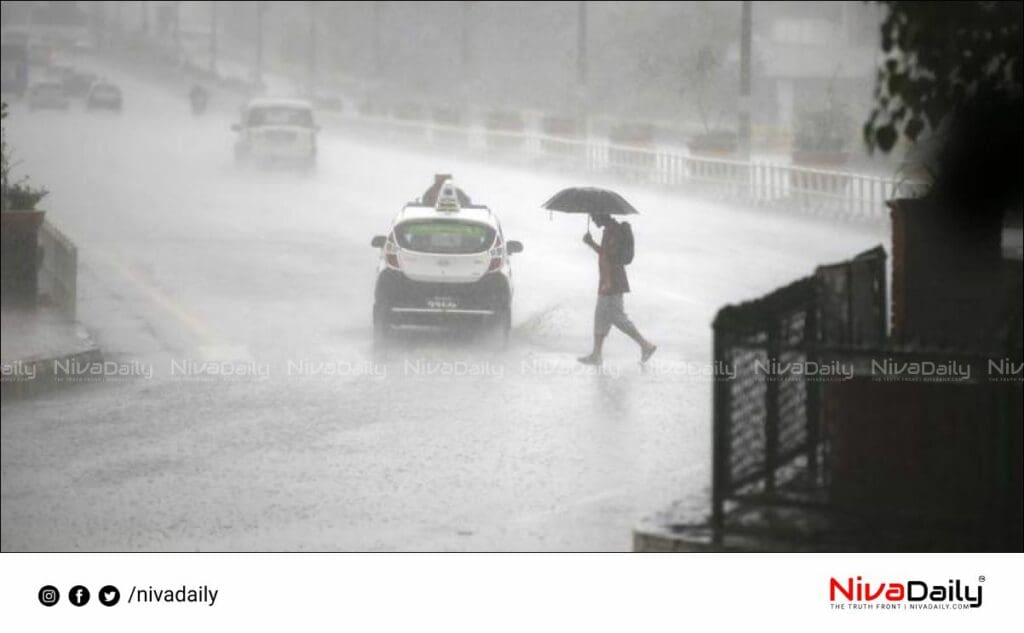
(276,132)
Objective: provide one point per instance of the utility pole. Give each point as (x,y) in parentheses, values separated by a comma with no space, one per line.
(96,15)
(378,65)
(464,51)
(176,32)
(581,65)
(581,44)
(312,48)
(258,70)
(100,24)
(466,72)
(213,38)
(744,101)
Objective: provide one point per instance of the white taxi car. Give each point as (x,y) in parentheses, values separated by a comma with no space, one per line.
(444,265)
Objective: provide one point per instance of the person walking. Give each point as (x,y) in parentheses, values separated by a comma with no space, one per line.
(613,253)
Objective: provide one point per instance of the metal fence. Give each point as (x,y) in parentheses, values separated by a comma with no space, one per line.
(839,194)
(767,439)
(847,195)
(59,272)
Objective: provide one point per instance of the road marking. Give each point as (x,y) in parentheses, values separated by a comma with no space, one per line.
(195,325)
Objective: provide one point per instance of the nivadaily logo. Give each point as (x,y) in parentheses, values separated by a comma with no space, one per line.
(913,594)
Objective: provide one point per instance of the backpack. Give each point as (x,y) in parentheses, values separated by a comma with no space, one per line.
(627,251)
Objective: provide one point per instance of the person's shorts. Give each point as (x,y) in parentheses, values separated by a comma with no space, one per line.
(609,312)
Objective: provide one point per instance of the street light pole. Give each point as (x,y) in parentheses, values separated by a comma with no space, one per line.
(96,20)
(581,44)
(258,70)
(312,48)
(213,38)
(581,65)
(176,32)
(464,51)
(744,101)
(377,63)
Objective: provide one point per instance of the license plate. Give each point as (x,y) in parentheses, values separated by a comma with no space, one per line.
(442,303)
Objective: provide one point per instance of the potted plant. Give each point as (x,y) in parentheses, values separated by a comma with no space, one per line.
(821,138)
(19,232)
(631,152)
(504,128)
(714,144)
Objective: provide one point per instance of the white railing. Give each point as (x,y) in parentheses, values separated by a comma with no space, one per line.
(840,194)
(848,195)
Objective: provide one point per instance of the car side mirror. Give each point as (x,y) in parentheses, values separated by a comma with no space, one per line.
(514,247)
(378,241)
(235,127)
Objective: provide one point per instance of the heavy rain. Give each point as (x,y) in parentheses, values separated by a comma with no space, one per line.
(296,280)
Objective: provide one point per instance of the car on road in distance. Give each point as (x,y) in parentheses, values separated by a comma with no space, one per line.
(77,83)
(47,95)
(444,265)
(104,96)
(276,132)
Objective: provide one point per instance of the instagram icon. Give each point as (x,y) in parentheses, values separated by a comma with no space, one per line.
(49,596)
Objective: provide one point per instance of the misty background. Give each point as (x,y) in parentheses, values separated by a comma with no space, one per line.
(660,72)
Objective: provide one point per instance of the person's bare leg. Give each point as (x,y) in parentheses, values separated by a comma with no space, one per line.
(647,348)
(594,358)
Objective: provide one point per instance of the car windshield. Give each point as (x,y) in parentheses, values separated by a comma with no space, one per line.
(280,115)
(78,79)
(444,236)
(49,89)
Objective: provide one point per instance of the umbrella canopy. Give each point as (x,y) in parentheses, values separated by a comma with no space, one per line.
(589,200)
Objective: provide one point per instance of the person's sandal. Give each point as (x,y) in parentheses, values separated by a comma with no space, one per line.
(592,359)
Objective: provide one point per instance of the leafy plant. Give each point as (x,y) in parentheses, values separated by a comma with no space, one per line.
(19,195)
(938,56)
(23,197)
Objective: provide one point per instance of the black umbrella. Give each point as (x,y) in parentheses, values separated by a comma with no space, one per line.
(589,200)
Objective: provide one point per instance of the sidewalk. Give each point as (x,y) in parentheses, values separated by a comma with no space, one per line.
(31,342)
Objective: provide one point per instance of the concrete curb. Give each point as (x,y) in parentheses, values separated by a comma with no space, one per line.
(696,539)
(755,529)
(37,376)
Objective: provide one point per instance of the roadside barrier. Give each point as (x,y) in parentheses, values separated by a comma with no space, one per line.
(58,277)
(846,195)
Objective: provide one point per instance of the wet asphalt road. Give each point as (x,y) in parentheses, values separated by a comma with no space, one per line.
(318,441)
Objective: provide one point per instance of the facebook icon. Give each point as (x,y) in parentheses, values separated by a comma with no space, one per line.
(78,595)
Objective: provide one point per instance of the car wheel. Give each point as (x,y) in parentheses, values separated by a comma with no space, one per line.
(500,327)
(381,325)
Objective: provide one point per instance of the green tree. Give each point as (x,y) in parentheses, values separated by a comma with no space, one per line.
(939,56)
